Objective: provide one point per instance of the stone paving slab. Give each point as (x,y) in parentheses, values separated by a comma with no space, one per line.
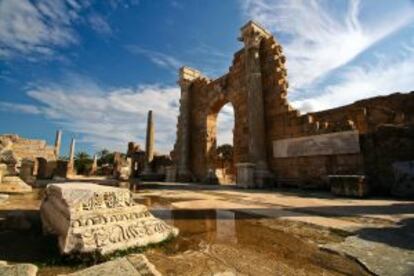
(378,257)
(133,265)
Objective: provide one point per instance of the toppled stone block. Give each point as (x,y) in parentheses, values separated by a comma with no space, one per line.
(133,265)
(17,269)
(91,218)
(403,179)
(13,184)
(348,185)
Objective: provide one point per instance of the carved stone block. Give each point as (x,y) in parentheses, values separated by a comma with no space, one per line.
(91,218)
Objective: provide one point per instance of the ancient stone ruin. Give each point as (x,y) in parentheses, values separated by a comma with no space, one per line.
(273,143)
(91,218)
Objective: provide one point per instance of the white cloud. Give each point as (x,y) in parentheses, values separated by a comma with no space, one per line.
(318,38)
(163,60)
(107,118)
(35,27)
(23,108)
(385,76)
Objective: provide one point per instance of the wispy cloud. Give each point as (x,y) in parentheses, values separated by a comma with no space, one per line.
(19,108)
(30,28)
(318,38)
(383,77)
(161,59)
(106,118)
(99,24)
(36,27)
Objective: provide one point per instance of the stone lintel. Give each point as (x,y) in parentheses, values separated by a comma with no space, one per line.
(188,74)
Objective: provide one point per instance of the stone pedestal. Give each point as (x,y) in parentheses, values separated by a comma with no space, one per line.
(245,175)
(348,185)
(170,174)
(91,218)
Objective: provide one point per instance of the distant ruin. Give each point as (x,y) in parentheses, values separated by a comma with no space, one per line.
(273,143)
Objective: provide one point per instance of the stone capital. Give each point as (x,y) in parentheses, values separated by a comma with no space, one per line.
(252,34)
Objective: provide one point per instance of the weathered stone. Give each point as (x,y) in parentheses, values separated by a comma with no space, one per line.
(13,184)
(3,198)
(3,169)
(256,86)
(133,265)
(17,269)
(91,218)
(170,174)
(404,179)
(344,142)
(348,185)
(27,171)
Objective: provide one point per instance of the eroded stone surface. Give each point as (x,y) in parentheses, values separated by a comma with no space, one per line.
(17,269)
(88,217)
(133,265)
(14,184)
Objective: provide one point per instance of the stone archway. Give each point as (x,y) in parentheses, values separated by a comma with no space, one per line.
(244,87)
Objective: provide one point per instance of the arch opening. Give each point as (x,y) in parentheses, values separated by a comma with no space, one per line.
(221,125)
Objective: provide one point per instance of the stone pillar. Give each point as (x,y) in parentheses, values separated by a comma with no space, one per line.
(187,76)
(252,35)
(71,163)
(149,145)
(58,141)
(94,167)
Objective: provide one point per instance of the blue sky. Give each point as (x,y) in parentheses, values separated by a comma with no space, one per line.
(94,68)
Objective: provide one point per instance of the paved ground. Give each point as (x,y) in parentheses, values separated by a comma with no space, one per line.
(246,232)
(381,231)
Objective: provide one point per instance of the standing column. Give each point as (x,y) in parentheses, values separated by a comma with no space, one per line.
(58,141)
(187,76)
(71,164)
(252,35)
(149,145)
(94,167)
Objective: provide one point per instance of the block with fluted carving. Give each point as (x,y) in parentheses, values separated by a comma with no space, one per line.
(91,218)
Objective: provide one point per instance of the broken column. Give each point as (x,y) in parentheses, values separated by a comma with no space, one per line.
(58,141)
(71,163)
(149,146)
(252,35)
